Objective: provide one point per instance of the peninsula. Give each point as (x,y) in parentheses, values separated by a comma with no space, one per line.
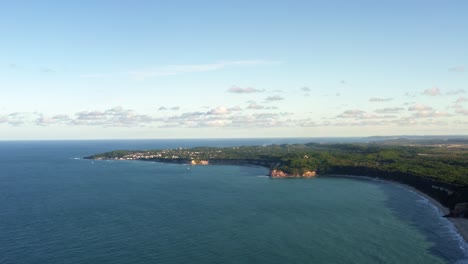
(438,168)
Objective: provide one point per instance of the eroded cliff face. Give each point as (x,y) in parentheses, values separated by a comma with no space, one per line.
(199,162)
(282,174)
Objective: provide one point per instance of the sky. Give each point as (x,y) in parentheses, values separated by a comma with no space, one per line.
(232,69)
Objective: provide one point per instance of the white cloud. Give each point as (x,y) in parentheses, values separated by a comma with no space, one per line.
(462,111)
(353,113)
(424,111)
(18,118)
(164,108)
(407,94)
(219,111)
(434,91)
(430,113)
(255,106)
(359,114)
(247,90)
(389,110)
(419,107)
(377,99)
(235,108)
(274,98)
(57,119)
(114,117)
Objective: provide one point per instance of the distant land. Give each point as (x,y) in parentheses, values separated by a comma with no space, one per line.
(435,165)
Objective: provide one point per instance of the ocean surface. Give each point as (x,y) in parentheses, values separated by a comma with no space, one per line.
(58,208)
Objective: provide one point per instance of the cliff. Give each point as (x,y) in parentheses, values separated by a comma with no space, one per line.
(199,162)
(448,194)
(281,174)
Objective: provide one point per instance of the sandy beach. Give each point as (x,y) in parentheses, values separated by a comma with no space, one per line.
(460,223)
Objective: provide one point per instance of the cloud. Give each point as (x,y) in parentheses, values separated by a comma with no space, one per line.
(462,111)
(461,100)
(377,99)
(247,90)
(219,111)
(263,120)
(359,114)
(458,68)
(459,122)
(455,92)
(410,94)
(3,119)
(419,107)
(424,111)
(226,117)
(406,121)
(305,89)
(192,68)
(221,117)
(274,98)
(358,123)
(255,106)
(389,110)
(429,113)
(17,118)
(113,117)
(434,91)
(458,104)
(429,119)
(164,108)
(353,113)
(235,108)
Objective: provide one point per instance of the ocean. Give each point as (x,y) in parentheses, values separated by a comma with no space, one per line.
(58,208)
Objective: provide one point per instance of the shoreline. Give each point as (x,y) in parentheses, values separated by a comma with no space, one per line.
(460,224)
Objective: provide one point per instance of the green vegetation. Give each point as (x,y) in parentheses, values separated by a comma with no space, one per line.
(442,163)
(440,169)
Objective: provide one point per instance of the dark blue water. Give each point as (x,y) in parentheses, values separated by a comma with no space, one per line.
(55,208)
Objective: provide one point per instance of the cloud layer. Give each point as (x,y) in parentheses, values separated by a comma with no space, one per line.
(247,90)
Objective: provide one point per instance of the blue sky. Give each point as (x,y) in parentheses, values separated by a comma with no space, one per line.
(192,69)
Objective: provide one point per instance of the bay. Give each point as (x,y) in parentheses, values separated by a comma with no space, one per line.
(58,208)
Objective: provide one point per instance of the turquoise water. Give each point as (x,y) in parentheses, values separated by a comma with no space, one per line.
(57,208)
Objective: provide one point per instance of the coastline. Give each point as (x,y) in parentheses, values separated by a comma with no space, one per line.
(461,224)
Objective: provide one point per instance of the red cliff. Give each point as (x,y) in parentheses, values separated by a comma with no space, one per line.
(282,174)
